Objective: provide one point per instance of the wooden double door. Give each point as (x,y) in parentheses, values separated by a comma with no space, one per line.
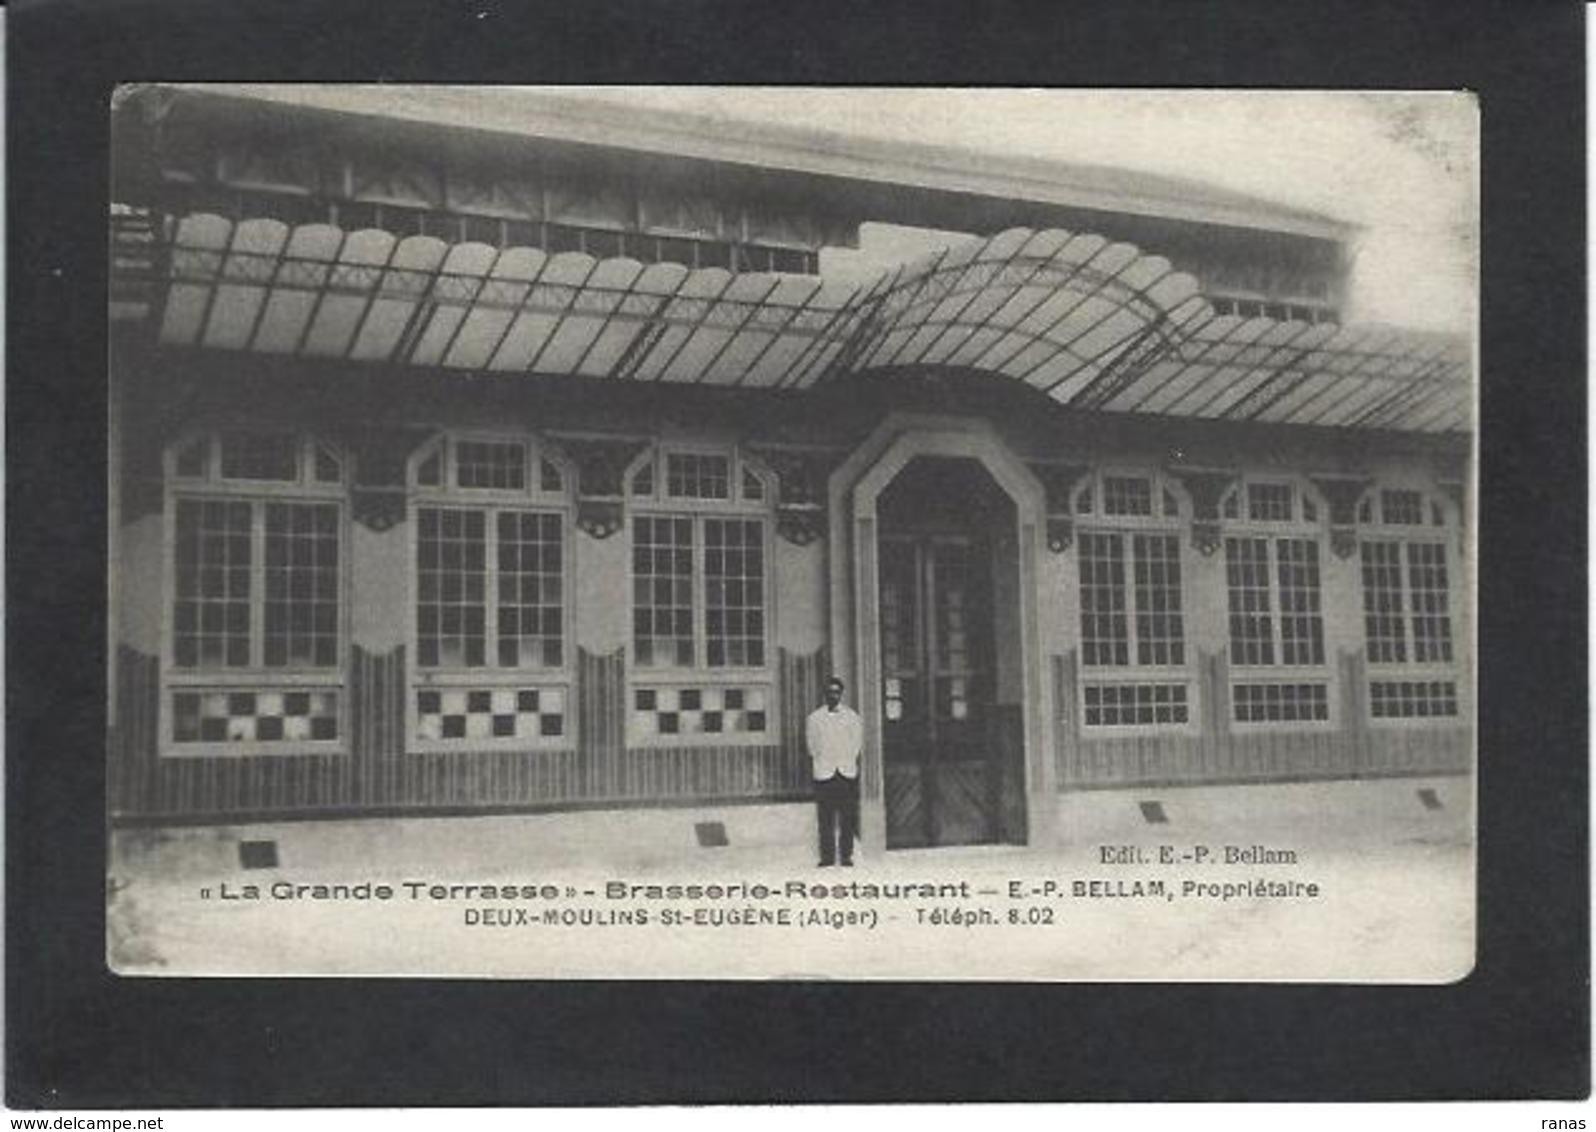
(943,776)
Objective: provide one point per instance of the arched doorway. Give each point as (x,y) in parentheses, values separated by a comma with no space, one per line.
(967,509)
(951,734)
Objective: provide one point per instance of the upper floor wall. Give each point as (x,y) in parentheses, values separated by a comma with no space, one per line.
(616,193)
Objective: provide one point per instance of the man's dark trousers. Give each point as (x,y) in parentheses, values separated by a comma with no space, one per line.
(837,813)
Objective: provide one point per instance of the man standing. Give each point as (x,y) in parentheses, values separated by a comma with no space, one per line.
(834,734)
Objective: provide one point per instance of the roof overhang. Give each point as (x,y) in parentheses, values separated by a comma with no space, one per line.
(1094,325)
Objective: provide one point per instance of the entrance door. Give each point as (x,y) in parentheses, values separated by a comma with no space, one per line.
(943,781)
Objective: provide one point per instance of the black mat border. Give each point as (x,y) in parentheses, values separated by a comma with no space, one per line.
(78,1038)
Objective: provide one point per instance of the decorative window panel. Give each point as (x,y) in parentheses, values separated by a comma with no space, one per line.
(1276,607)
(1382,601)
(1281,703)
(302,581)
(521,715)
(1430,598)
(495,465)
(1407,612)
(467,597)
(1413,699)
(255,584)
(213,576)
(692,475)
(669,711)
(1137,705)
(531,576)
(1402,508)
(734,592)
(224,716)
(1301,618)
(1127,496)
(1104,630)
(1269,502)
(1247,587)
(451,593)
(1160,625)
(1146,605)
(662,591)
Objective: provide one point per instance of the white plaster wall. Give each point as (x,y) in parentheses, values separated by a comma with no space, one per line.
(379,593)
(800,598)
(138,573)
(601,611)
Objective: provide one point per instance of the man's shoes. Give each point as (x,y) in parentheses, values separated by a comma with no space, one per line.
(847,864)
(827,864)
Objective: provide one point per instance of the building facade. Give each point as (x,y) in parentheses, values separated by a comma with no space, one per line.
(529,455)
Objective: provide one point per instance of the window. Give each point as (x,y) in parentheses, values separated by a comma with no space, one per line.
(490,588)
(254,640)
(1407,607)
(1273,589)
(700,598)
(490,621)
(1132,619)
(698,592)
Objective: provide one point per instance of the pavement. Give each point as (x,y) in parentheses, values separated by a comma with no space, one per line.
(1368,881)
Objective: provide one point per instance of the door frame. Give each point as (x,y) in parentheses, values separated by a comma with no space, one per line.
(928,585)
(854,489)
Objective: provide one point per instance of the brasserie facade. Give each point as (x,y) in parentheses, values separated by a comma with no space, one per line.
(517,455)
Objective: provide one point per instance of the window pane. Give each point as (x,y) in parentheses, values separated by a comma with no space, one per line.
(212,559)
(530,575)
(1281,703)
(1247,585)
(301,575)
(690,475)
(1402,507)
(488,465)
(1412,699)
(900,636)
(1127,495)
(1269,502)
(1104,633)
(1301,618)
(1160,626)
(663,613)
(451,572)
(1382,601)
(1132,705)
(1428,588)
(734,583)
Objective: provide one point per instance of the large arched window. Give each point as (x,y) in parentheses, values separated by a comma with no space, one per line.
(491,602)
(701,597)
(1404,546)
(254,643)
(1274,550)
(1135,671)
